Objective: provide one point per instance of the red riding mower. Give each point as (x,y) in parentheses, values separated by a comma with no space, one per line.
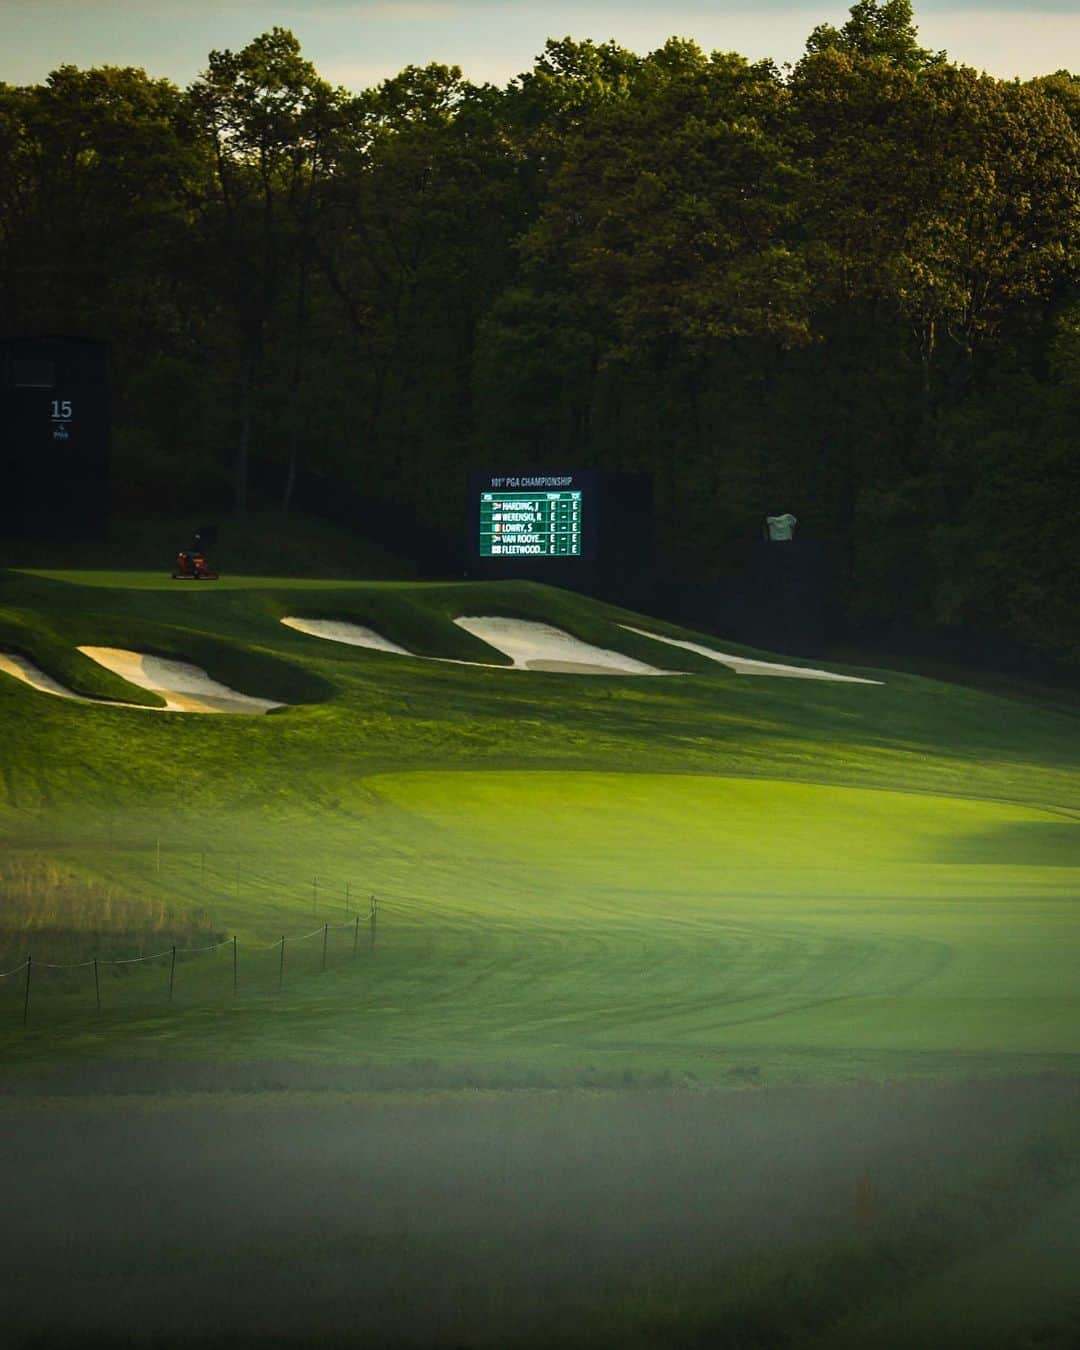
(192,566)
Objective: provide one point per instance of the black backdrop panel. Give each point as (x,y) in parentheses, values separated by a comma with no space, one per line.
(54,436)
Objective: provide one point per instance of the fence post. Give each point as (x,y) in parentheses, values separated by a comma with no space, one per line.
(325,934)
(865,1208)
(374,917)
(234,972)
(356,936)
(281,964)
(26,995)
(97,986)
(172,972)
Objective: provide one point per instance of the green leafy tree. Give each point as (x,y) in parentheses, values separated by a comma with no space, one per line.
(93,167)
(851,289)
(425,203)
(665,240)
(265,118)
(942,207)
(882,29)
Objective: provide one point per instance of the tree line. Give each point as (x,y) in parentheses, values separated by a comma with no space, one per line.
(847,288)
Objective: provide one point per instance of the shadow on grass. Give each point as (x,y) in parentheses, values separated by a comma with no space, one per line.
(1029,843)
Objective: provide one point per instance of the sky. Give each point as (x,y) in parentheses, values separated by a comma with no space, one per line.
(357,43)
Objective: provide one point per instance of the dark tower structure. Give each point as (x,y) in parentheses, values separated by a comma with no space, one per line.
(54,436)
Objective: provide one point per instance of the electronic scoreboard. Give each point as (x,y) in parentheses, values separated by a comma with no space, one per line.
(533,517)
(589,530)
(530,524)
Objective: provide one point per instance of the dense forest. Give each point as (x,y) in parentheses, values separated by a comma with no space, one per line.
(846,288)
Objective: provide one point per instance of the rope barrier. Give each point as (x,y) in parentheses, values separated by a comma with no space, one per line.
(254,880)
(180,951)
(134,960)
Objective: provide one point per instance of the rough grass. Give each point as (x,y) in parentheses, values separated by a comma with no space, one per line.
(779,1217)
(61,916)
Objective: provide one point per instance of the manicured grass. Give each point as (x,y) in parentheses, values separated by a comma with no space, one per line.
(577,874)
(664,971)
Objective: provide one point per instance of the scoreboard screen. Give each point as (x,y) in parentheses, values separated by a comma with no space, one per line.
(530,524)
(533,525)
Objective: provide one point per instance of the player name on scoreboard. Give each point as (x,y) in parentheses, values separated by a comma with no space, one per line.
(536,524)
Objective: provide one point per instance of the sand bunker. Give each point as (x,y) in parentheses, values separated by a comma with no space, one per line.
(538,646)
(531,646)
(35,677)
(745,665)
(354,634)
(185,688)
(22,669)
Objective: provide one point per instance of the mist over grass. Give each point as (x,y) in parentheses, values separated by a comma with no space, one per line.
(742,1218)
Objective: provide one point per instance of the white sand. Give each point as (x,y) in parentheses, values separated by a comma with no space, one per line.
(531,646)
(745,665)
(25,670)
(538,646)
(185,688)
(355,634)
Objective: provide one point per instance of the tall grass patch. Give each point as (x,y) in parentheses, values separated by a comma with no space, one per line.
(59,915)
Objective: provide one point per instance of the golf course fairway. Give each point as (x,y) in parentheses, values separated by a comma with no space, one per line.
(812,944)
